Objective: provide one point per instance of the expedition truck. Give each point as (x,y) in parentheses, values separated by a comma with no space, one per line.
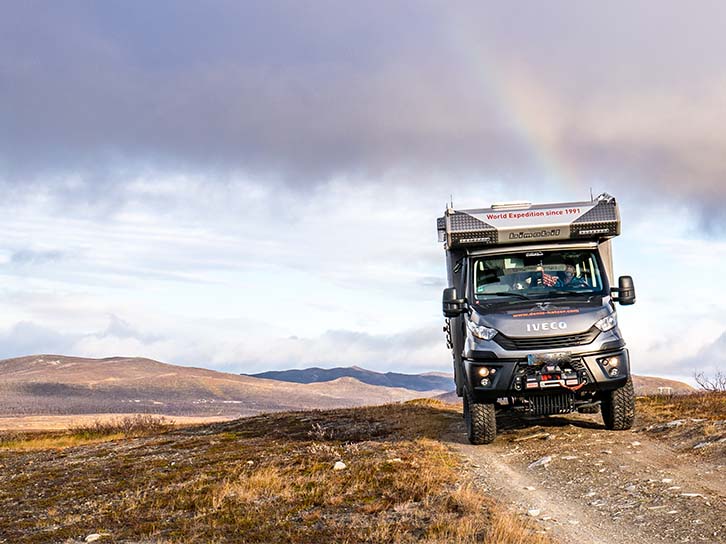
(530,313)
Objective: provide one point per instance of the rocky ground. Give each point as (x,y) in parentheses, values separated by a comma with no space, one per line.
(660,482)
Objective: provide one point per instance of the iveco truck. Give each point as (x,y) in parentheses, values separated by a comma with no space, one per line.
(530,312)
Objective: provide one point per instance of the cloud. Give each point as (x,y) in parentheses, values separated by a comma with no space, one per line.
(231,177)
(34,257)
(413,350)
(25,338)
(710,358)
(118,328)
(305,93)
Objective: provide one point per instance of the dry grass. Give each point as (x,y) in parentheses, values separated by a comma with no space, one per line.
(708,405)
(134,425)
(29,442)
(90,433)
(263,479)
(506,529)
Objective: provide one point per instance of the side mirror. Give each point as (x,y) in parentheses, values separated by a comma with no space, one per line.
(625,291)
(453,306)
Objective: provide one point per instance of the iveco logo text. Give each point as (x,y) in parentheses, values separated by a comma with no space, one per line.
(547,326)
(534,234)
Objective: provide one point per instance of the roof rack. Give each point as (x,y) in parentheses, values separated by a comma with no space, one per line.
(521,222)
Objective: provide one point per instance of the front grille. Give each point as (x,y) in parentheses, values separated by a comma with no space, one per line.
(549,342)
(545,405)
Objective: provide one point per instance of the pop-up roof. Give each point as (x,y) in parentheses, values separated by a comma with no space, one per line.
(518,223)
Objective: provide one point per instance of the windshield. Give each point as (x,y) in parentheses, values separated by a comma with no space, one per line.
(537,274)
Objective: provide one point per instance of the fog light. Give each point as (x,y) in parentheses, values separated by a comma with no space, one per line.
(610,361)
(614,372)
(493,371)
(483,372)
(614,361)
(485,381)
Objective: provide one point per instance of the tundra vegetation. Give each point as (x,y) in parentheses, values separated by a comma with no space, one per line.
(709,405)
(268,478)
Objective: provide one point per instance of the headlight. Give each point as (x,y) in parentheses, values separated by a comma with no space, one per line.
(607,322)
(480,331)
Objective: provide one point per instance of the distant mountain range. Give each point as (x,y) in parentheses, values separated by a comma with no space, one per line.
(55,384)
(644,385)
(416,382)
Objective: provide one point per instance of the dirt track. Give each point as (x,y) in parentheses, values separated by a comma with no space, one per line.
(599,486)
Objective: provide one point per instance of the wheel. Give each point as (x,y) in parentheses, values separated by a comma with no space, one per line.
(481,422)
(618,407)
(589,409)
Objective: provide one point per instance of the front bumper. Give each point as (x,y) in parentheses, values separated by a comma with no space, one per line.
(509,378)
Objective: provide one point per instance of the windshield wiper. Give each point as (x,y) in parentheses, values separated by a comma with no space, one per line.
(506,294)
(562,292)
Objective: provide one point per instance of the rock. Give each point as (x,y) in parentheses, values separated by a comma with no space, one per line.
(631,488)
(635,443)
(608,452)
(250,462)
(95,536)
(569,457)
(339,465)
(529,487)
(532,437)
(675,423)
(533,512)
(542,462)
(667,480)
(701,445)
(395,460)
(691,495)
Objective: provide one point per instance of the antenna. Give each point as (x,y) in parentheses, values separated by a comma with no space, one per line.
(451,198)
(590,194)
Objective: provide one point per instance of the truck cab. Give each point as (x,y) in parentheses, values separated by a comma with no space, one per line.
(530,312)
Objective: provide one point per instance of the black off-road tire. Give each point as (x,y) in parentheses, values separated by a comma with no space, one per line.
(481,422)
(589,409)
(618,407)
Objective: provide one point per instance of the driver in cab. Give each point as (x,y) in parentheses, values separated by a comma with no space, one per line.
(571,280)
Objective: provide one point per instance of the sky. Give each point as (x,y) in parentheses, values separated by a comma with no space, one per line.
(249,186)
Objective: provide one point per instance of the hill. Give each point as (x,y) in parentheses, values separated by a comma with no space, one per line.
(417,382)
(54,384)
(650,385)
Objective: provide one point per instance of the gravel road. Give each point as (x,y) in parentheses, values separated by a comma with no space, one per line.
(584,484)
